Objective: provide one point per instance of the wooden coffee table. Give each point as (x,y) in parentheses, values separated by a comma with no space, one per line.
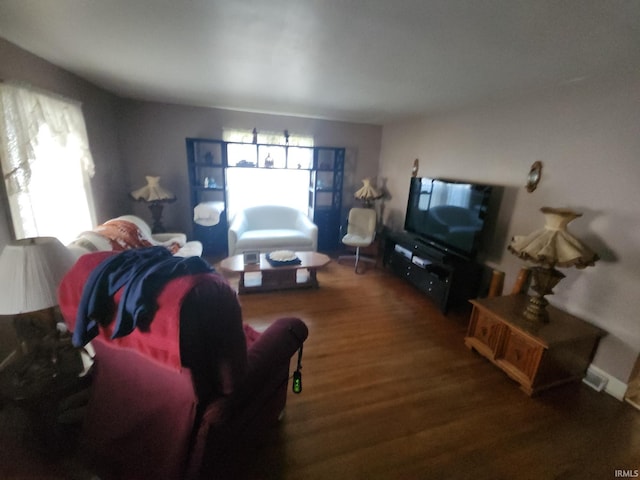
(276,278)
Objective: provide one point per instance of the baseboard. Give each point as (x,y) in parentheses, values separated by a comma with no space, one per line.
(598,379)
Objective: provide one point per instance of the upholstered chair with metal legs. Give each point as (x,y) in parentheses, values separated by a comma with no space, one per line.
(361,231)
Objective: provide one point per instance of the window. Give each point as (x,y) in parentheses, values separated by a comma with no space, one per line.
(46,163)
(248,187)
(283,181)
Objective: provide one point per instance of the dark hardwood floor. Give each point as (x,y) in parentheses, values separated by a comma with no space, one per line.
(391,392)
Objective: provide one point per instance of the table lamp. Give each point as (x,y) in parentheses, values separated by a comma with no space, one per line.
(30,272)
(156,196)
(550,247)
(367,193)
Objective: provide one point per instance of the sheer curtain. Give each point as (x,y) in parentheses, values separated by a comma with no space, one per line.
(46,163)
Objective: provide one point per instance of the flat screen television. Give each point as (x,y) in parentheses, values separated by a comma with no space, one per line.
(448,214)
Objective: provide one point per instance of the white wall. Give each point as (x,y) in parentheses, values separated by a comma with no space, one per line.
(588,137)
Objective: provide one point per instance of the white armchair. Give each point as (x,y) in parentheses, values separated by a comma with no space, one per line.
(272,227)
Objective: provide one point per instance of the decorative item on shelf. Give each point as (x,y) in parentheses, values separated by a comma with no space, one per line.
(245,163)
(286,137)
(30,271)
(268,162)
(255,136)
(534,176)
(367,193)
(416,167)
(550,247)
(156,196)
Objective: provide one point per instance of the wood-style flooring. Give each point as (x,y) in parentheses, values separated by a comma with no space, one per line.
(391,392)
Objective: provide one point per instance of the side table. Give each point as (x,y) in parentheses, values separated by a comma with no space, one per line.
(537,356)
(46,384)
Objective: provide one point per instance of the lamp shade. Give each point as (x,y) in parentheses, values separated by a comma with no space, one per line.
(367,191)
(30,272)
(554,245)
(153,192)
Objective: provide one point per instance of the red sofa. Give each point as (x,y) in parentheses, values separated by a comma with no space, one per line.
(182,400)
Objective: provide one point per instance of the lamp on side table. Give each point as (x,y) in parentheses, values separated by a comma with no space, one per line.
(45,368)
(156,196)
(30,271)
(367,193)
(550,247)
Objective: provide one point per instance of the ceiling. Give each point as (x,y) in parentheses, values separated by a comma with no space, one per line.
(368,61)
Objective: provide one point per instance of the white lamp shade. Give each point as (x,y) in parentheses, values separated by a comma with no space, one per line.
(367,191)
(153,192)
(30,272)
(554,245)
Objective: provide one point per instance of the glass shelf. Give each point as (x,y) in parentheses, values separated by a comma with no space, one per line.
(300,158)
(208,153)
(326,159)
(242,155)
(272,156)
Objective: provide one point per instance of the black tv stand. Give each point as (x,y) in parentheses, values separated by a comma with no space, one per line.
(447,278)
(428,247)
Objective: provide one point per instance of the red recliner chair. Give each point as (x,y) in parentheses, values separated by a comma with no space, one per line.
(181,400)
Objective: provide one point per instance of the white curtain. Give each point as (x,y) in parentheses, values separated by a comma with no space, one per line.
(46,162)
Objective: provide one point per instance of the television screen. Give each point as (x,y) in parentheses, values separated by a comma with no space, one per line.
(448,214)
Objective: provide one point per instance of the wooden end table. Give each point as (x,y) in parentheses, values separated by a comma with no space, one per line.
(537,356)
(281,277)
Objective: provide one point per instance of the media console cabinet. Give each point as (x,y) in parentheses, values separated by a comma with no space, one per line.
(537,356)
(445,277)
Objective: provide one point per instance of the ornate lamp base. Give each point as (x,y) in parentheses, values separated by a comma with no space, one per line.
(544,279)
(536,309)
(156,214)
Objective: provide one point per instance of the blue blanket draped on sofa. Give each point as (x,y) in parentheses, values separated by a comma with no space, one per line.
(141,273)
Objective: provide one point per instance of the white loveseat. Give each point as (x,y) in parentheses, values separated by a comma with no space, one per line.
(271,227)
(94,240)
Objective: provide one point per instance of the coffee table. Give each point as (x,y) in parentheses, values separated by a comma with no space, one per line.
(281,277)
